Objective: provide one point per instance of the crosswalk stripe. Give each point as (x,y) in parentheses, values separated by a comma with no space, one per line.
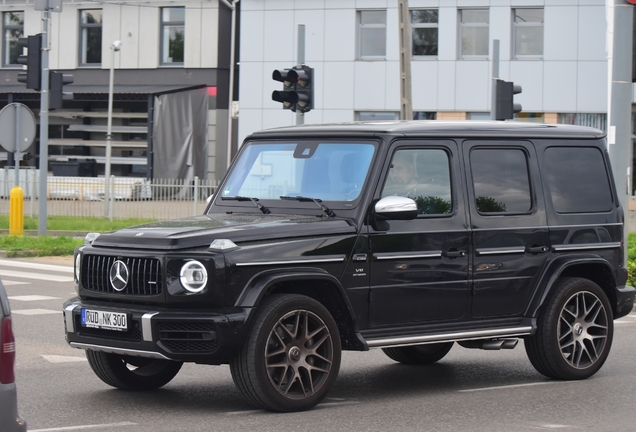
(46,277)
(9,282)
(36,266)
(32,298)
(62,359)
(34,311)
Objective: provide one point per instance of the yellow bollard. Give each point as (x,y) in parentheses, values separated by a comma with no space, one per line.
(16,212)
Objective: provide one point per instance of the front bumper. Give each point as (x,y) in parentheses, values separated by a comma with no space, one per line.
(201,336)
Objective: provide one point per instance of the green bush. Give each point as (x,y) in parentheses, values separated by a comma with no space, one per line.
(631,259)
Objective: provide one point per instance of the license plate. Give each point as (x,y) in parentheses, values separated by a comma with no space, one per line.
(104,320)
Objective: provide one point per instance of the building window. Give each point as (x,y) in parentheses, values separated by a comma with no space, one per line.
(371,34)
(424,115)
(424,27)
(13,30)
(172,35)
(91,37)
(528,32)
(473,26)
(598,121)
(376,115)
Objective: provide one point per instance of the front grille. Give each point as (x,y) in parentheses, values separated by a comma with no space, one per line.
(188,337)
(144,275)
(132,334)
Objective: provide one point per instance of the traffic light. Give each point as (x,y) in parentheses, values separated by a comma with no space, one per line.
(33,61)
(57,95)
(505,106)
(298,91)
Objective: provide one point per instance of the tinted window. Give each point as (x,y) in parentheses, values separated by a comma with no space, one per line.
(577,180)
(422,175)
(500,180)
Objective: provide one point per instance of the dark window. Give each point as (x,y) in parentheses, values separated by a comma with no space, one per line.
(578,180)
(501,180)
(424,176)
(172,35)
(91,36)
(13,30)
(424,29)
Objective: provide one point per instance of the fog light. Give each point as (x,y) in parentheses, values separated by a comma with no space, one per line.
(193,276)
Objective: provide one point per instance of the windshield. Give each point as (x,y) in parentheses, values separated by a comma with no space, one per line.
(324,171)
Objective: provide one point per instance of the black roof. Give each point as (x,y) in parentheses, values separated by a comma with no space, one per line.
(437,128)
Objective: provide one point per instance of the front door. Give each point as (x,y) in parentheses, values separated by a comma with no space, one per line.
(508,220)
(419,268)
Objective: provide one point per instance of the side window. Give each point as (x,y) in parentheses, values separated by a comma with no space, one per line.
(424,176)
(577,179)
(500,180)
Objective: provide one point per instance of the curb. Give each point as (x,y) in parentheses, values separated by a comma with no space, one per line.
(56,233)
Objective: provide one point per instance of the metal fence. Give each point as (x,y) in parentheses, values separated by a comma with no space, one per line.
(133,197)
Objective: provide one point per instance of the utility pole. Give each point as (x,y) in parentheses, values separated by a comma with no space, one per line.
(406,100)
(619,115)
(495,77)
(44,126)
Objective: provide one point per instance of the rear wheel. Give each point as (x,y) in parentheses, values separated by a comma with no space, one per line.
(291,357)
(574,331)
(132,373)
(419,354)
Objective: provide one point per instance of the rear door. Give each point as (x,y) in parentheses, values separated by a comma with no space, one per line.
(508,221)
(419,268)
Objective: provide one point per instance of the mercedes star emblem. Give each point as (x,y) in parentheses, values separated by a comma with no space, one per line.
(119,275)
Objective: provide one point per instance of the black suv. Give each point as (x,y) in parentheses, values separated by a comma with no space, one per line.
(404,236)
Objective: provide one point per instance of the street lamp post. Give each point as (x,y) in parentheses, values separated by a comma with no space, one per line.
(116,46)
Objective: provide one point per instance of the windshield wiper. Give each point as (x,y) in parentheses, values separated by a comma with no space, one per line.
(260,206)
(318,202)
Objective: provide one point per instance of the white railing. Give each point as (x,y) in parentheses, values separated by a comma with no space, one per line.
(133,197)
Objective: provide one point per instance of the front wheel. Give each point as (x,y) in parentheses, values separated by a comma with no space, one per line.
(574,331)
(132,373)
(291,357)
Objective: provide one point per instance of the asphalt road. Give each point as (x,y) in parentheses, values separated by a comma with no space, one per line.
(469,390)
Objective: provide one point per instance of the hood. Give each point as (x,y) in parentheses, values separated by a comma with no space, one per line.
(200,231)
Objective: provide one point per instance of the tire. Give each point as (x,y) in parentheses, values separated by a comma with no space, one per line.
(291,357)
(419,354)
(132,373)
(574,331)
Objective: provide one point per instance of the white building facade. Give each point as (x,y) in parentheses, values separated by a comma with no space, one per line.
(554,49)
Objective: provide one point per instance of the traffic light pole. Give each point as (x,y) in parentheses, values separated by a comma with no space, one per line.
(300,116)
(495,77)
(44,126)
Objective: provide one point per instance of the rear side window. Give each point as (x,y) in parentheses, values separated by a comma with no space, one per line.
(501,180)
(578,180)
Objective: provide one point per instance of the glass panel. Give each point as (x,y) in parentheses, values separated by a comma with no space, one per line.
(500,180)
(424,41)
(372,42)
(372,17)
(13,22)
(376,116)
(173,44)
(529,15)
(92,16)
(173,14)
(577,180)
(529,41)
(474,41)
(475,16)
(92,45)
(327,171)
(424,16)
(424,176)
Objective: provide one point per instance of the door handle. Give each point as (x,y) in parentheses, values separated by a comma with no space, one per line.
(454,253)
(534,249)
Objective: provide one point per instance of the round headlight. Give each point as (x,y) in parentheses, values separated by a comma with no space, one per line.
(78,263)
(193,276)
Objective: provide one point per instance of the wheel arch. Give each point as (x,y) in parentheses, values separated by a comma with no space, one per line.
(314,283)
(594,269)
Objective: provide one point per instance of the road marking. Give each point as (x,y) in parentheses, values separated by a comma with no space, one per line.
(552,426)
(46,277)
(36,266)
(62,359)
(515,386)
(70,428)
(243,412)
(35,312)
(8,282)
(32,298)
